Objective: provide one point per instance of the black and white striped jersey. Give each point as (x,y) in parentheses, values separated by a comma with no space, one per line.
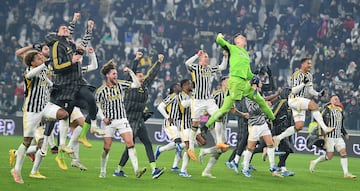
(36,91)
(202,78)
(333,117)
(219,96)
(257,116)
(172,107)
(185,111)
(296,79)
(111,99)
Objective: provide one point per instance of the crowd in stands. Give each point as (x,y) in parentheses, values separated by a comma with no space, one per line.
(279,33)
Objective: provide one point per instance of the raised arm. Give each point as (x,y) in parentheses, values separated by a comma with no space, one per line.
(225,60)
(93,63)
(151,74)
(191,60)
(21,51)
(135,82)
(72,23)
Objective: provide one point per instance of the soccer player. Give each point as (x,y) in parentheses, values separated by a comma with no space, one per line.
(218,132)
(135,102)
(258,128)
(36,98)
(299,102)
(69,84)
(333,116)
(109,98)
(169,108)
(240,73)
(184,105)
(203,102)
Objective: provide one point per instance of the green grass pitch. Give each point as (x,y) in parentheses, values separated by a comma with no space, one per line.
(328,175)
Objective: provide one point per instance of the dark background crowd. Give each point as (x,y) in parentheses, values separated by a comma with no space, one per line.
(279,34)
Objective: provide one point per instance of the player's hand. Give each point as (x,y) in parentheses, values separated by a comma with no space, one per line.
(106,121)
(90,50)
(170,121)
(126,70)
(200,52)
(322,93)
(90,25)
(37,46)
(220,35)
(76,58)
(306,80)
(76,17)
(347,137)
(226,53)
(161,58)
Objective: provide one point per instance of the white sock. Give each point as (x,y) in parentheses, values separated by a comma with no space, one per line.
(31,150)
(288,132)
(168,147)
(185,162)
(176,160)
(219,132)
(317,116)
(20,157)
(44,146)
(192,140)
(51,139)
(75,156)
(344,165)
(103,161)
(210,164)
(210,150)
(63,129)
(36,165)
(133,159)
(270,152)
(237,159)
(247,157)
(320,159)
(283,169)
(74,136)
(93,124)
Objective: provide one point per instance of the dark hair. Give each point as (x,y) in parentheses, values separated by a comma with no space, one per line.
(105,69)
(172,87)
(29,57)
(236,35)
(184,81)
(304,60)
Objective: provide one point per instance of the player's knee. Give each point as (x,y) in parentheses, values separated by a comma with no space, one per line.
(26,143)
(40,142)
(62,114)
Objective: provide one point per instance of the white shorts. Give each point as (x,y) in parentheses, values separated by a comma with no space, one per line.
(50,111)
(76,114)
(31,121)
(200,106)
(299,106)
(257,131)
(337,143)
(185,133)
(171,131)
(120,125)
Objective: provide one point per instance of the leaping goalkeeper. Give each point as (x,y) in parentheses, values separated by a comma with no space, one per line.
(240,74)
